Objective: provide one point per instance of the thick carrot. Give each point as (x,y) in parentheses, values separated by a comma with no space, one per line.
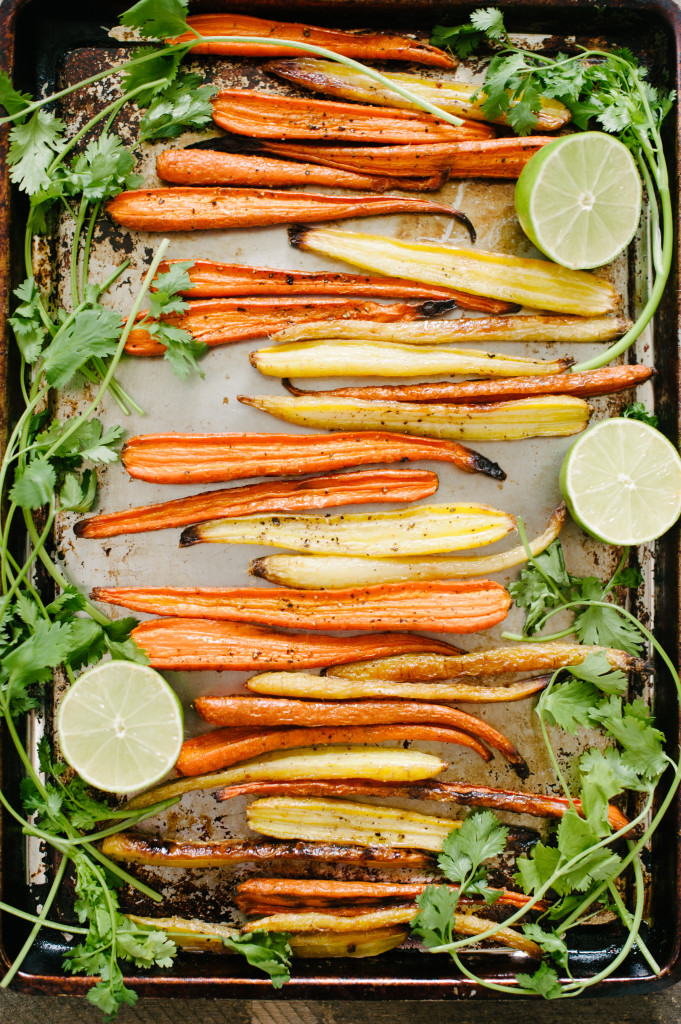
(212,167)
(457,607)
(196,644)
(196,209)
(209,458)
(220,280)
(264,115)
(580,385)
(224,747)
(223,321)
(274,496)
(516,801)
(363,45)
(476,158)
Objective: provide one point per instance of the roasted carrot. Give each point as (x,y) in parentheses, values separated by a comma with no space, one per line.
(138,849)
(477,158)
(224,747)
(223,321)
(274,496)
(212,167)
(457,607)
(196,209)
(363,45)
(580,385)
(264,115)
(515,801)
(333,687)
(220,280)
(209,458)
(196,644)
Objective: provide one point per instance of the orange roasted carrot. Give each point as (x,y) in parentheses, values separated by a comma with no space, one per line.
(580,385)
(212,167)
(223,321)
(196,209)
(224,747)
(464,606)
(362,45)
(197,644)
(515,801)
(264,115)
(217,280)
(475,158)
(274,496)
(208,458)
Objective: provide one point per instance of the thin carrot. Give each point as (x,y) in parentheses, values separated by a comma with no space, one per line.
(202,644)
(273,496)
(223,321)
(220,280)
(212,167)
(209,458)
(456,607)
(247,112)
(211,209)
(225,747)
(580,385)
(363,45)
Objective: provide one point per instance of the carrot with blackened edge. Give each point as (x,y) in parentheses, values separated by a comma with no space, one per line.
(605,381)
(212,209)
(223,321)
(273,496)
(200,644)
(362,45)
(212,167)
(457,607)
(264,115)
(225,747)
(209,458)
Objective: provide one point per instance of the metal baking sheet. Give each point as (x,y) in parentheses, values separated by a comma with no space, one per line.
(531,491)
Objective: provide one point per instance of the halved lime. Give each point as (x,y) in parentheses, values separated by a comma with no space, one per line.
(579,199)
(622,482)
(120,726)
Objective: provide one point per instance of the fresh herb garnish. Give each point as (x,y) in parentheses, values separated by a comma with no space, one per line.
(638,411)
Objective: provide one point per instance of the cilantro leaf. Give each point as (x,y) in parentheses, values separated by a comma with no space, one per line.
(631,577)
(102,170)
(463,39)
(33,146)
(480,837)
(32,662)
(434,923)
(536,868)
(10,98)
(34,486)
(489,20)
(182,106)
(550,942)
(576,835)
(532,591)
(165,304)
(92,332)
(544,982)
(78,495)
(160,66)
(638,411)
(631,726)
(268,951)
(605,626)
(26,322)
(596,669)
(157,18)
(569,705)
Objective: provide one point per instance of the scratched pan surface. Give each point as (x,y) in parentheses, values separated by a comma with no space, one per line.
(70,47)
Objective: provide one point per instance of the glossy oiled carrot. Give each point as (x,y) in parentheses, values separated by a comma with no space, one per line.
(274,496)
(223,321)
(477,158)
(212,167)
(457,607)
(224,747)
(212,280)
(264,115)
(209,458)
(196,644)
(363,45)
(579,385)
(212,209)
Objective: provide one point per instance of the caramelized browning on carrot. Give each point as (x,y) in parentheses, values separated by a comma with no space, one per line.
(196,644)
(225,747)
(363,45)
(274,496)
(209,458)
(223,321)
(580,385)
(458,607)
(211,209)
(247,112)
(220,280)
(477,158)
(212,167)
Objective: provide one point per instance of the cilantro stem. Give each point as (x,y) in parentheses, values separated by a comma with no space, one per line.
(49,900)
(547,742)
(115,869)
(68,929)
(627,919)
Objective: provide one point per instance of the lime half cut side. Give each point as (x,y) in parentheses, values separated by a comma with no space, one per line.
(120,726)
(622,482)
(579,199)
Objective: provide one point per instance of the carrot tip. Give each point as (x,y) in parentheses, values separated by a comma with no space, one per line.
(434,307)
(484,465)
(189,536)
(296,235)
